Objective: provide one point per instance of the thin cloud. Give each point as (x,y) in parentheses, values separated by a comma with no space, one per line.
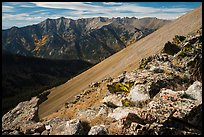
(7,8)
(12,14)
(68,5)
(80,6)
(112,3)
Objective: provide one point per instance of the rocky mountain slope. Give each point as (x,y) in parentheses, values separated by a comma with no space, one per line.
(124,60)
(89,39)
(162,97)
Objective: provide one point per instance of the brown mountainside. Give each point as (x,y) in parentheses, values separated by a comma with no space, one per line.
(125,60)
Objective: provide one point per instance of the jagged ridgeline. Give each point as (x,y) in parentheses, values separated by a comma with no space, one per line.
(90,39)
(162,97)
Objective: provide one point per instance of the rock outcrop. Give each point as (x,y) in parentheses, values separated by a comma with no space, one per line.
(71,127)
(98,130)
(20,118)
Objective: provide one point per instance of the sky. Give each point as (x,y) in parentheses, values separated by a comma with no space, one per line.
(27,13)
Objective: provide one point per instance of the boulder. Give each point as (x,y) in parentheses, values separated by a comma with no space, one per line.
(138,94)
(156,69)
(55,121)
(23,113)
(104,111)
(47,127)
(98,130)
(195,91)
(53,125)
(31,128)
(122,112)
(112,100)
(87,113)
(72,127)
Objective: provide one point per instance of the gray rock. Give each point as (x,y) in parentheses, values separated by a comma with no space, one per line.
(36,134)
(87,113)
(98,130)
(138,94)
(195,91)
(104,111)
(24,112)
(56,120)
(156,69)
(72,127)
(31,128)
(112,100)
(56,125)
(122,112)
(47,127)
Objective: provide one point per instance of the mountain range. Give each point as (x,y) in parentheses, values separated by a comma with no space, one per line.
(87,39)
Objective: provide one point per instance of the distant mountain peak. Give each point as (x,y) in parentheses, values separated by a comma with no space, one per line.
(89,39)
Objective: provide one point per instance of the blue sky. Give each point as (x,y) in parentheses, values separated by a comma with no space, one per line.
(27,13)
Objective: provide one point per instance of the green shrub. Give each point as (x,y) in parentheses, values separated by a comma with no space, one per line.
(120,87)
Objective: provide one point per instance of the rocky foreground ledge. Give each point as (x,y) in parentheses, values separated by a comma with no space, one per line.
(162,97)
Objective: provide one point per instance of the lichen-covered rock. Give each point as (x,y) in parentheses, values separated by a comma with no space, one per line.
(23,113)
(122,112)
(112,100)
(31,128)
(98,130)
(156,69)
(72,127)
(138,94)
(87,113)
(104,110)
(195,91)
